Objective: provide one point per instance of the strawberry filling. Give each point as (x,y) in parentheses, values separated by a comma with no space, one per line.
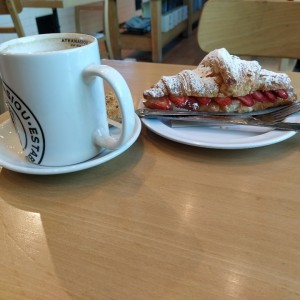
(193,103)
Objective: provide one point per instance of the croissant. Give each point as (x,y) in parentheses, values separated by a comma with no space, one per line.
(221,82)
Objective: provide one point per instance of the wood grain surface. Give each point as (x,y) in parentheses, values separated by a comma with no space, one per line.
(161,221)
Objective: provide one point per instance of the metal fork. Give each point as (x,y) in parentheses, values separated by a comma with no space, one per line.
(272,119)
(157,113)
(279,115)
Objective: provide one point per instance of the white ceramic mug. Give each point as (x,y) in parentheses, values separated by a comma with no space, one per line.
(54,91)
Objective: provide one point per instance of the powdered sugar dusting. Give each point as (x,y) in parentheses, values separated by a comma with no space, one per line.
(220,74)
(269,80)
(236,77)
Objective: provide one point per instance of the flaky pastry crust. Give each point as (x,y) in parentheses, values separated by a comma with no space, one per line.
(219,75)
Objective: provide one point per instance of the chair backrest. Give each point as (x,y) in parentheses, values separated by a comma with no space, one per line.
(92,17)
(12,8)
(266,28)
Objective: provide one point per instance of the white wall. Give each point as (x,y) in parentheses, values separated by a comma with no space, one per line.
(126,9)
(28,15)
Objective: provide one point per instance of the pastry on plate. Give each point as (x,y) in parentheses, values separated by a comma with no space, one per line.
(112,107)
(221,83)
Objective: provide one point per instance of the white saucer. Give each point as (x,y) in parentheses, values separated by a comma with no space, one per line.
(12,158)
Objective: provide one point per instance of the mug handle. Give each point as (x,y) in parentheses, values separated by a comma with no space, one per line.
(101,136)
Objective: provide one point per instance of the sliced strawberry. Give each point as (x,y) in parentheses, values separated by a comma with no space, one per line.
(192,104)
(283,94)
(158,103)
(259,96)
(178,101)
(247,100)
(203,100)
(223,101)
(270,95)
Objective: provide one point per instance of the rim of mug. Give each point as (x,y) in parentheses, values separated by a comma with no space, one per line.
(39,37)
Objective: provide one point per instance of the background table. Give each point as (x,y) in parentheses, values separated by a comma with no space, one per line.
(156,39)
(161,221)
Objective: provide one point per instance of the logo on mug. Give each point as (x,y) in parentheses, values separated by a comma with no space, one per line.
(27,126)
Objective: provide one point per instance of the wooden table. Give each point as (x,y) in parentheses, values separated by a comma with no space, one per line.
(161,221)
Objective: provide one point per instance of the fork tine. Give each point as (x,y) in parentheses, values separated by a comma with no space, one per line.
(287,109)
(281,114)
(284,112)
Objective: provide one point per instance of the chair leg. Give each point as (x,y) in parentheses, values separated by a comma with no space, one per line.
(113,27)
(77,19)
(106,30)
(15,17)
(287,65)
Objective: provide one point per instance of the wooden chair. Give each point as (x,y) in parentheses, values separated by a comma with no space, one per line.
(12,8)
(99,11)
(266,28)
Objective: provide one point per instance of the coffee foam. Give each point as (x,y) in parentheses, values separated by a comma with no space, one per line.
(45,45)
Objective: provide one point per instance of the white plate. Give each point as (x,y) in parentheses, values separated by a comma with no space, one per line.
(221,137)
(12,158)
